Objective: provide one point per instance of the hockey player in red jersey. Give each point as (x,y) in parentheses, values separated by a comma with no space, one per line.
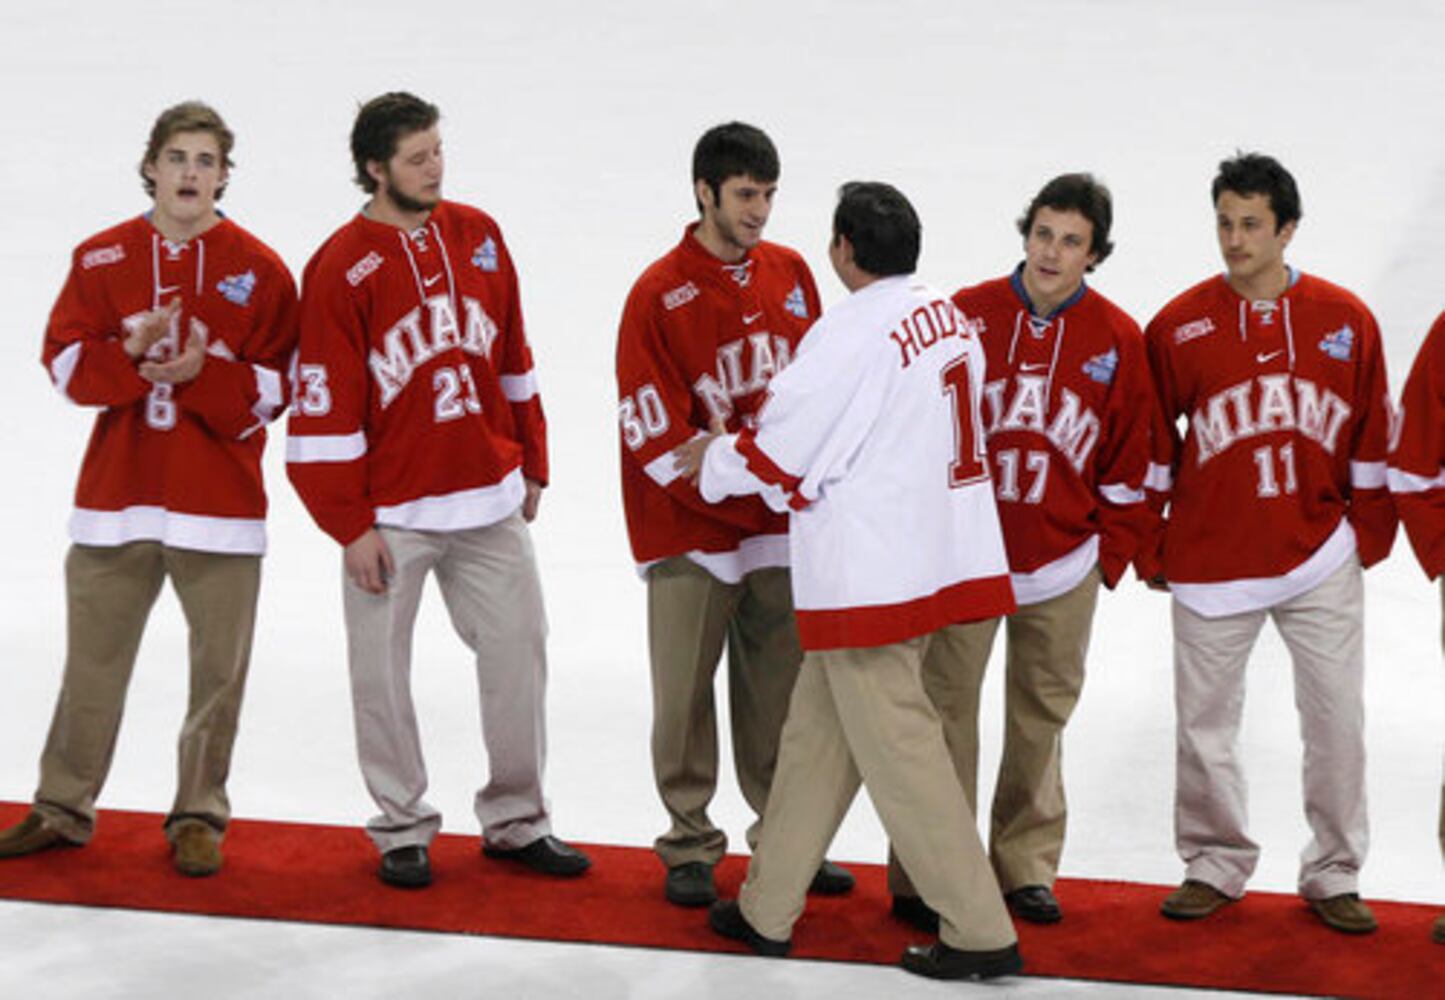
(1066,410)
(1417,480)
(873,440)
(418,443)
(704,330)
(1276,499)
(176,325)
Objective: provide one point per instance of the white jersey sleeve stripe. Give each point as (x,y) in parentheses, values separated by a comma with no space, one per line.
(63,367)
(1408,482)
(663,468)
(268,393)
(325,447)
(519,388)
(1367,475)
(1160,478)
(1120,494)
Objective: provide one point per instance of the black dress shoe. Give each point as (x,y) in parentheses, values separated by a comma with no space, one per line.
(547,855)
(939,961)
(916,913)
(831,880)
(406,867)
(1034,903)
(690,884)
(726,918)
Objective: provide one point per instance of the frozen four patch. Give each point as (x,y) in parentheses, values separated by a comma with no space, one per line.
(237,288)
(1340,344)
(485,256)
(795,303)
(1101,367)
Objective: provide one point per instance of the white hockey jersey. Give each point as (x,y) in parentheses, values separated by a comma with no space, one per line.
(872,438)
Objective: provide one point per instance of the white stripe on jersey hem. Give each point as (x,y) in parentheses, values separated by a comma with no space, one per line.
(62,369)
(1160,478)
(754,553)
(474,508)
(1236,597)
(303,448)
(1367,475)
(1120,494)
(1058,577)
(225,535)
(1408,482)
(519,388)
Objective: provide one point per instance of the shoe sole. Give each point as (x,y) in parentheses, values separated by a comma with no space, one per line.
(690,901)
(571,871)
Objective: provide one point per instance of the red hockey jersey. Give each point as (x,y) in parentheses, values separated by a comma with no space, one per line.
(1067,408)
(416,402)
(1281,469)
(701,339)
(1417,462)
(179,464)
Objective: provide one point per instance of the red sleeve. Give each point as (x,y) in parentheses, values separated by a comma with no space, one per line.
(1126,519)
(654,413)
(1417,463)
(1372,512)
(82,352)
(1165,445)
(518,378)
(326,439)
(238,392)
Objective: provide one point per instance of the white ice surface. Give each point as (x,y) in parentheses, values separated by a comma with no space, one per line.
(573,124)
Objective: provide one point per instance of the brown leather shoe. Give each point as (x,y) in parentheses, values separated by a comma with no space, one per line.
(196,848)
(28,836)
(1345,913)
(1438,934)
(1193,900)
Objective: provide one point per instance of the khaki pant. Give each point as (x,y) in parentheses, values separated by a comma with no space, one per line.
(691,614)
(862,715)
(1044,674)
(109,595)
(1324,630)
(488,579)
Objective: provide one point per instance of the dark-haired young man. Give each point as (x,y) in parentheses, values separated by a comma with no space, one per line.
(1066,410)
(1276,495)
(1417,481)
(176,326)
(704,330)
(872,440)
(418,443)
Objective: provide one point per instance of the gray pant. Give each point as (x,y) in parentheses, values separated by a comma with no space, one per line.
(109,595)
(1324,630)
(488,579)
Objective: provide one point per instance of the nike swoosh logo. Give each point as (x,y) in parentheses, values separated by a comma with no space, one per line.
(1033,368)
(167,290)
(750,320)
(1263,358)
(432,280)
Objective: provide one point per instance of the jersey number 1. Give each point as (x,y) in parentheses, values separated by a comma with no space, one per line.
(968,464)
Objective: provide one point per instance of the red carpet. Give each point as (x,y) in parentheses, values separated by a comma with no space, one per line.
(287,871)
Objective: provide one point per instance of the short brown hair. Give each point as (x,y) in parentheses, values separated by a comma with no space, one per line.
(188,116)
(381,123)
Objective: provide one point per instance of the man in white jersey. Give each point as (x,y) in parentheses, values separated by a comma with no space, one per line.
(872,439)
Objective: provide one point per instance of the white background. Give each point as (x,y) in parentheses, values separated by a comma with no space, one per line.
(573,125)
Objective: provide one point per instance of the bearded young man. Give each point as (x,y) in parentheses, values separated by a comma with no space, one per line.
(418,443)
